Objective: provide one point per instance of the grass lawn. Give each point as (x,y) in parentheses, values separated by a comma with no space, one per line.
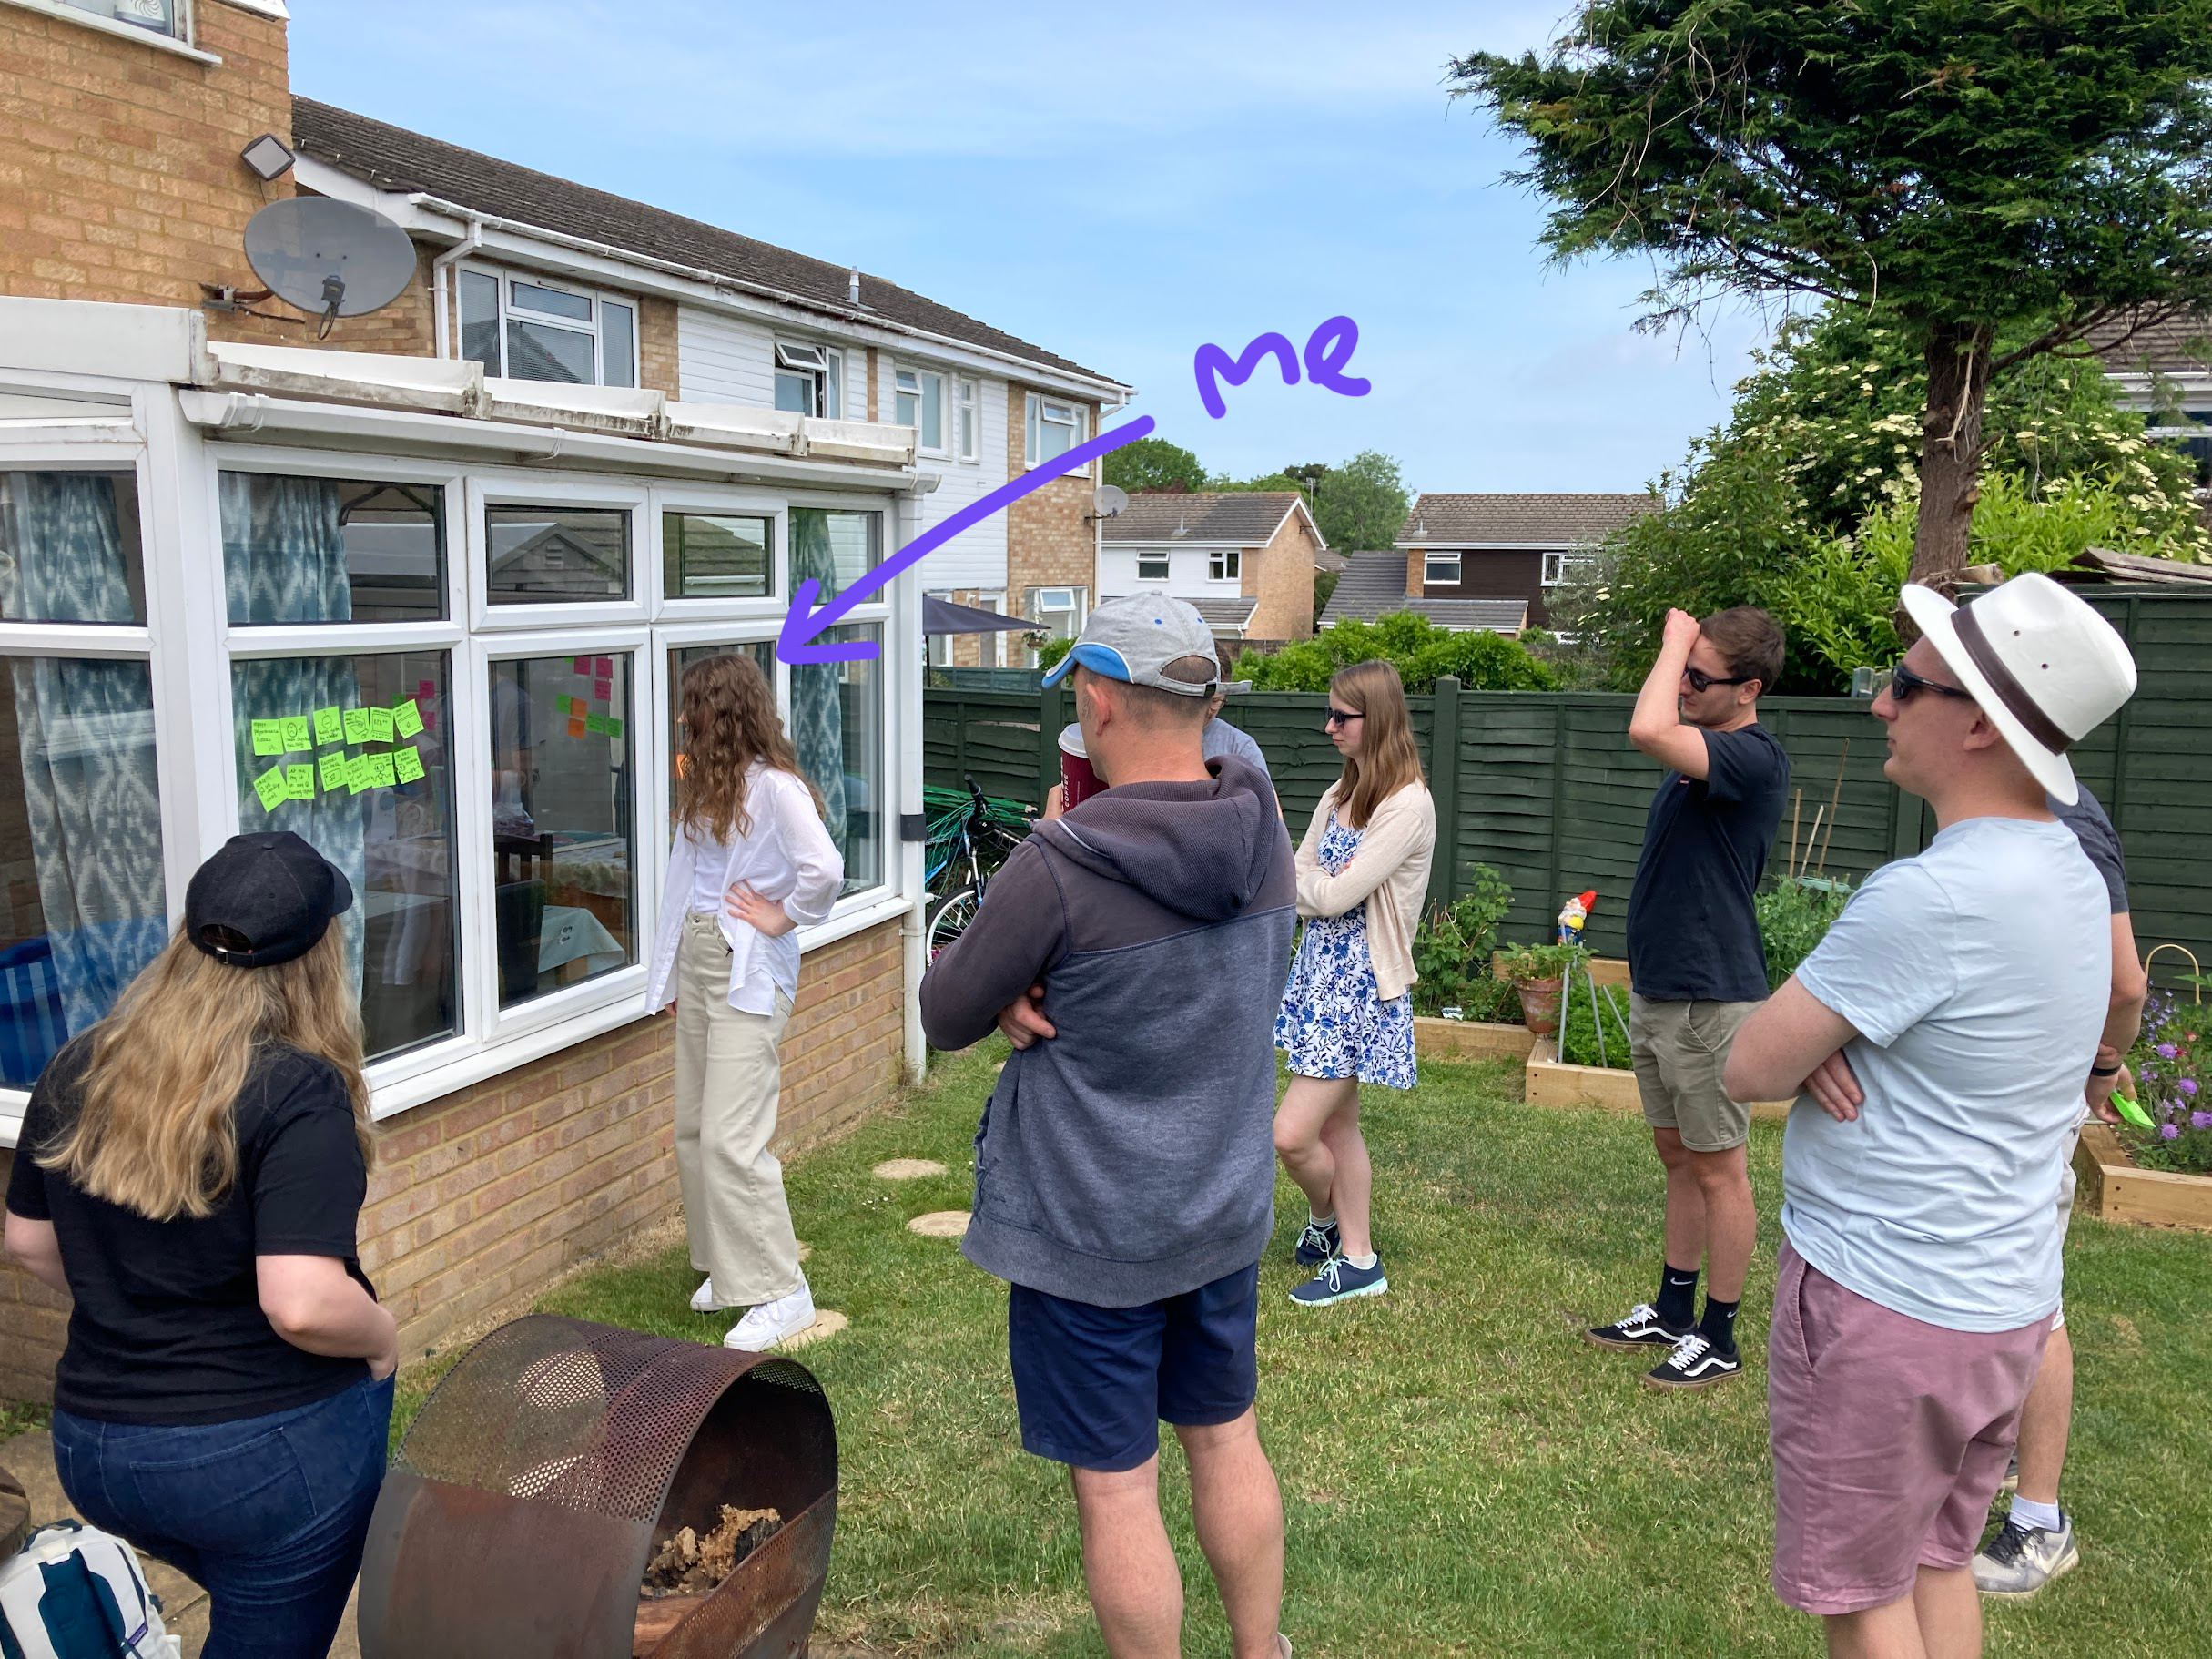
(1462,1475)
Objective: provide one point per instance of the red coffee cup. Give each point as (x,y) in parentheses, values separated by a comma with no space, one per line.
(1078,780)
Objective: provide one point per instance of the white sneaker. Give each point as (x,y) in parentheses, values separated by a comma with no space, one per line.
(702,1298)
(771,1322)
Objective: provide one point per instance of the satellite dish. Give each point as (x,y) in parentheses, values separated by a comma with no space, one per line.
(329,258)
(1108,499)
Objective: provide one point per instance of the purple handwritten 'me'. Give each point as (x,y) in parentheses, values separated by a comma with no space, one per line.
(1327,350)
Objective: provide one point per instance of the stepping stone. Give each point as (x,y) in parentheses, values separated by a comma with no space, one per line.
(908,1169)
(939,1224)
(826,1323)
(804,1251)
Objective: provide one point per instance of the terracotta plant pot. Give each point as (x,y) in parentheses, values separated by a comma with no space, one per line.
(1540,1003)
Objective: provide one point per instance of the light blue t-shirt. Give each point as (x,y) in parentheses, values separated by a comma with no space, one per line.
(1977,975)
(1221,739)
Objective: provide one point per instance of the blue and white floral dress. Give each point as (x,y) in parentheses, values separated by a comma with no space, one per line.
(1334,1022)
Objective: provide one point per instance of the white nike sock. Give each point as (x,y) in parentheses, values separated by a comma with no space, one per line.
(1364,1265)
(1319,1221)
(2027,1513)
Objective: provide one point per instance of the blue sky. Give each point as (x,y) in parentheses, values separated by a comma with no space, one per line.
(1117,187)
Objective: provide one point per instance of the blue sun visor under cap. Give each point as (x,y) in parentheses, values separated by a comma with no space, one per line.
(1134,638)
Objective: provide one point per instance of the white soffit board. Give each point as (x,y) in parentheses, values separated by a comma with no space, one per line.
(369,379)
(623,411)
(859,441)
(134,343)
(734,426)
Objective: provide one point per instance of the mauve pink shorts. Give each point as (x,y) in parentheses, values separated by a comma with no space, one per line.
(1891,1437)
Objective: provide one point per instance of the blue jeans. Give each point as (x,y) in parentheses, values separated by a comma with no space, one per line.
(267,1514)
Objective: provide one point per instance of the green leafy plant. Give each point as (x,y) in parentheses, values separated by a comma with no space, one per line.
(2167,1062)
(1792,919)
(1451,949)
(1050,652)
(1523,963)
(1420,651)
(1579,1042)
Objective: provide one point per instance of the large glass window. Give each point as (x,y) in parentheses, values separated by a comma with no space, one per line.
(331,549)
(706,556)
(837,548)
(352,753)
(1053,428)
(920,401)
(162,16)
(553,555)
(837,726)
(69,548)
(82,901)
(564,840)
(534,329)
(681,658)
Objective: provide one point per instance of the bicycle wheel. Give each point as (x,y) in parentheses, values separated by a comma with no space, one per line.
(950,919)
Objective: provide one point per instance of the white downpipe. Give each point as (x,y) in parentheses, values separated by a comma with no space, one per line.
(441,285)
(904,629)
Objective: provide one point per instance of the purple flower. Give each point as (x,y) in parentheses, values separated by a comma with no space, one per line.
(2169,1132)
(2200,1120)
(2188,1085)
(2165,1051)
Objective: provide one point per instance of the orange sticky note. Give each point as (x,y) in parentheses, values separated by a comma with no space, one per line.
(575,727)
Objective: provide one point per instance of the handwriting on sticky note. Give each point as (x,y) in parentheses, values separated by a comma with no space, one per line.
(380,726)
(297,733)
(359,774)
(299,780)
(613,726)
(329,726)
(385,774)
(269,737)
(408,764)
(269,787)
(332,769)
(357,726)
(407,719)
(603,689)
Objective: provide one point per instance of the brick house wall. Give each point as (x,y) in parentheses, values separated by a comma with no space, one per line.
(1280,576)
(1415,569)
(485,1196)
(1048,544)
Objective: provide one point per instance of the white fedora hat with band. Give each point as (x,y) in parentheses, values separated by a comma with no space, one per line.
(2045,668)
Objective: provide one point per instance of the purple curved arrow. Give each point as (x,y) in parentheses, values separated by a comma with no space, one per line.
(797,642)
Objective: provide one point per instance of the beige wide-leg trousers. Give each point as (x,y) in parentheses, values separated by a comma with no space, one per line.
(726,1080)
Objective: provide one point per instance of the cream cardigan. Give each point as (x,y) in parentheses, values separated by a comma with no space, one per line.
(1394,850)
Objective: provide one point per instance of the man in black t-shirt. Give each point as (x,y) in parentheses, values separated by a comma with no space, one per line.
(1697,969)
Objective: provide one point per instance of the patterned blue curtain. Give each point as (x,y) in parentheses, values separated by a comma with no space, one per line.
(817,717)
(84,732)
(284,560)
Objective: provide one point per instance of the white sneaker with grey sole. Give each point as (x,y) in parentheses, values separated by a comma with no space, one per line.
(702,1298)
(772,1323)
(2020,1561)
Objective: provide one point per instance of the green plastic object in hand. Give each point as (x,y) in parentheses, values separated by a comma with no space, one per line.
(2133,1113)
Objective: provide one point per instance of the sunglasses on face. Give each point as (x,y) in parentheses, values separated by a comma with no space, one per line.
(1702,681)
(1904,683)
(1342,717)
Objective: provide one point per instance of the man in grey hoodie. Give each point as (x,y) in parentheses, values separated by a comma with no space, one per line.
(1133,950)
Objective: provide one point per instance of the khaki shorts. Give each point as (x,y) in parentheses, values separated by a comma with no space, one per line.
(1679,1049)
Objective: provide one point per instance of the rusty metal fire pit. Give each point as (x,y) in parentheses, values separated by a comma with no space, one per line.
(550,1464)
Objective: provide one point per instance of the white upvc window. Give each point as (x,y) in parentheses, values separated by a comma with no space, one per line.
(532,327)
(809,379)
(919,403)
(1058,613)
(1440,570)
(1053,428)
(968,418)
(1225,565)
(1559,566)
(1152,567)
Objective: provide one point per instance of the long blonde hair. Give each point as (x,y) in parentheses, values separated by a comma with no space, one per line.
(729,721)
(156,1129)
(1388,758)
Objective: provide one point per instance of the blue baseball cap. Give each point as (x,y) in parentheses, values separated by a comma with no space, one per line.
(1135,637)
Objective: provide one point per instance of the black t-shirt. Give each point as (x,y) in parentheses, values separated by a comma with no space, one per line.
(167,1327)
(1693,932)
(2099,839)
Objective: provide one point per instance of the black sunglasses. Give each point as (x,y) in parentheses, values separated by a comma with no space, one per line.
(1702,681)
(1904,683)
(1342,717)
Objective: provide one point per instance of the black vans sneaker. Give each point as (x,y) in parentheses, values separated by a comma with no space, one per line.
(1695,1363)
(1316,1243)
(1640,1327)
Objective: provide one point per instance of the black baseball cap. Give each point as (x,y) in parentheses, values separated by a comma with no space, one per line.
(264,899)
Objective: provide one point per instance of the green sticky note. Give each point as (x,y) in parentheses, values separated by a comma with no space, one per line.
(409,765)
(357,726)
(299,780)
(383,774)
(613,726)
(328,727)
(568,704)
(359,774)
(269,736)
(298,736)
(380,726)
(407,719)
(269,787)
(332,767)
(596,723)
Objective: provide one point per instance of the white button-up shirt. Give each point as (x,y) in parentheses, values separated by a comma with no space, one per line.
(786,856)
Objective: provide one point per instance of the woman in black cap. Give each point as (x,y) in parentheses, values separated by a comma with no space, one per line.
(191,1170)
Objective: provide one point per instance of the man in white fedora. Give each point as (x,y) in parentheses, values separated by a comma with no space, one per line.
(1966,991)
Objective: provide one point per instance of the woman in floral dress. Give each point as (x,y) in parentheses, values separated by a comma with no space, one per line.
(1348,1011)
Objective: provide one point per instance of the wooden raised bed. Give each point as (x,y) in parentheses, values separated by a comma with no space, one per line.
(1604,970)
(1437,1039)
(2114,1188)
(1548,1081)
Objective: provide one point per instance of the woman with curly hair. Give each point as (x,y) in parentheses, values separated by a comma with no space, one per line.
(751,861)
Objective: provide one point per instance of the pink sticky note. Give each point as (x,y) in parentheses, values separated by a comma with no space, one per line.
(602,689)
(606,667)
(584,665)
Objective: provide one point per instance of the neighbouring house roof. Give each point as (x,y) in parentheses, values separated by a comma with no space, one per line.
(2179,344)
(1226,616)
(1373,585)
(393,158)
(1520,520)
(1232,518)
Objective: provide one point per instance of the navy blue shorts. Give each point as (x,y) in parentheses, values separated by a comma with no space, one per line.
(1094,1384)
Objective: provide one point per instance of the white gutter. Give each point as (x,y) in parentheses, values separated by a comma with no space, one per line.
(441,282)
(719,285)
